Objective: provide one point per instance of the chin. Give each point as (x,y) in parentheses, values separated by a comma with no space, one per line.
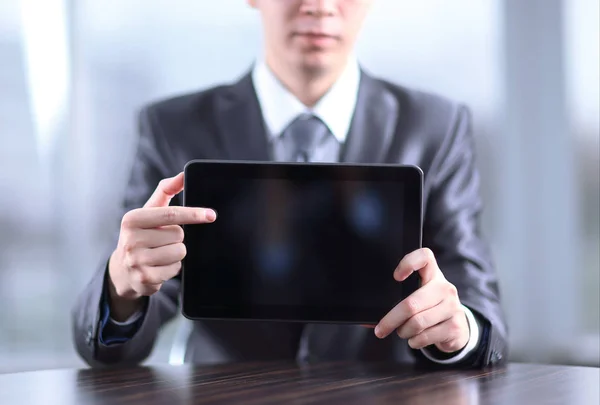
(316,63)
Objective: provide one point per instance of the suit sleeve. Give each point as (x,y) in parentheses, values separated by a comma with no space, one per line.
(452,231)
(149,167)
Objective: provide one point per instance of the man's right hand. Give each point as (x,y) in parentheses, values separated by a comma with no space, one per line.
(150,247)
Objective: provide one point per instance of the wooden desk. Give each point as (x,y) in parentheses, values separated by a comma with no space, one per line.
(341,383)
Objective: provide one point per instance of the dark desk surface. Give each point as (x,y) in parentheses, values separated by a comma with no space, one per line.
(339,383)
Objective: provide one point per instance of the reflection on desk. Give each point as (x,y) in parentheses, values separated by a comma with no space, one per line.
(329,383)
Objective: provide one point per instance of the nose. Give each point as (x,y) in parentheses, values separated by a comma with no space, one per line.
(319,8)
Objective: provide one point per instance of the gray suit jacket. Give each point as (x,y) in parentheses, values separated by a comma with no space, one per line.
(391,124)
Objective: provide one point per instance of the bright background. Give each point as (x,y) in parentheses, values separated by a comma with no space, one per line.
(74,73)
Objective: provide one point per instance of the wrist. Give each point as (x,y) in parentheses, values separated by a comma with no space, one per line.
(435,354)
(123,300)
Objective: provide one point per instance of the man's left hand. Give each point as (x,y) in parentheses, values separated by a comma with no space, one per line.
(432,315)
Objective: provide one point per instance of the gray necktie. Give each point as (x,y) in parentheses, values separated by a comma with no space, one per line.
(298,143)
(302,137)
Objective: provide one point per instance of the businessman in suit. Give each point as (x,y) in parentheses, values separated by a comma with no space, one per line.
(308,99)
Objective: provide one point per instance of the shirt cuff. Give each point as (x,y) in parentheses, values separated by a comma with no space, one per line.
(471,344)
(129,321)
(114,332)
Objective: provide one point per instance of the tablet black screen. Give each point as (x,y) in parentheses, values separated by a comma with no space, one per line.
(299,242)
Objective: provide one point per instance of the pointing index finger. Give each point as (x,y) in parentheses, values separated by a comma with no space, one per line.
(153,217)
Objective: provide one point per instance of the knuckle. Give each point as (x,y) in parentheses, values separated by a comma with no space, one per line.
(129,245)
(418,323)
(451,290)
(445,347)
(454,326)
(128,219)
(418,341)
(130,260)
(148,278)
(412,306)
(143,257)
(173,270)
(143,278)
(197,215)
(149,289)
(121,290)
(161,184)
(179,234)
(450,346)
(427,252)
(128,248)
(181,251)
(457,306)
(170,214)
(403,332)
(153,289)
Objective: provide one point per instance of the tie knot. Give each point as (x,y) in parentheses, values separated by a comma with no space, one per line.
(303,135)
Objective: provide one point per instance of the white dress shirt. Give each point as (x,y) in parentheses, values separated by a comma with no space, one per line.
(280,107)
(336,108)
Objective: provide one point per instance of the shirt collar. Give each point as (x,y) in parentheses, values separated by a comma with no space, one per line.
(280,107)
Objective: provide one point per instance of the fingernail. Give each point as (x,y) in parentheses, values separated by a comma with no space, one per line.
(210,215)
(378,331)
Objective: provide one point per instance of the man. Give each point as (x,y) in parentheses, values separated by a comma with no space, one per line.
(308,82)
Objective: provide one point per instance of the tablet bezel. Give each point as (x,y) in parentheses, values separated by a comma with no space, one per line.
(410,175)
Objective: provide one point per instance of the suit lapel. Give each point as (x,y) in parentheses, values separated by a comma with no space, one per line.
(242,129)
(373,125)
(240,123)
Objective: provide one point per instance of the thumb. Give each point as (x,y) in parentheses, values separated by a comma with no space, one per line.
(165,191)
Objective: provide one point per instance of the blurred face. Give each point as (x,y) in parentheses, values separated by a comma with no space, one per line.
(314,35)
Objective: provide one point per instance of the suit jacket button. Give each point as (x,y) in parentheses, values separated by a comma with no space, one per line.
(495,357)
(88,336)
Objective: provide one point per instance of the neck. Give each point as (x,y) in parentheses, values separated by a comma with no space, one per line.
(307,85)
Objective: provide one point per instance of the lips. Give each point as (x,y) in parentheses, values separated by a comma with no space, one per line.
(316,35)
(316,39)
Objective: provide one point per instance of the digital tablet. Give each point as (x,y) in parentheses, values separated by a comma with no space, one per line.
(299,242)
